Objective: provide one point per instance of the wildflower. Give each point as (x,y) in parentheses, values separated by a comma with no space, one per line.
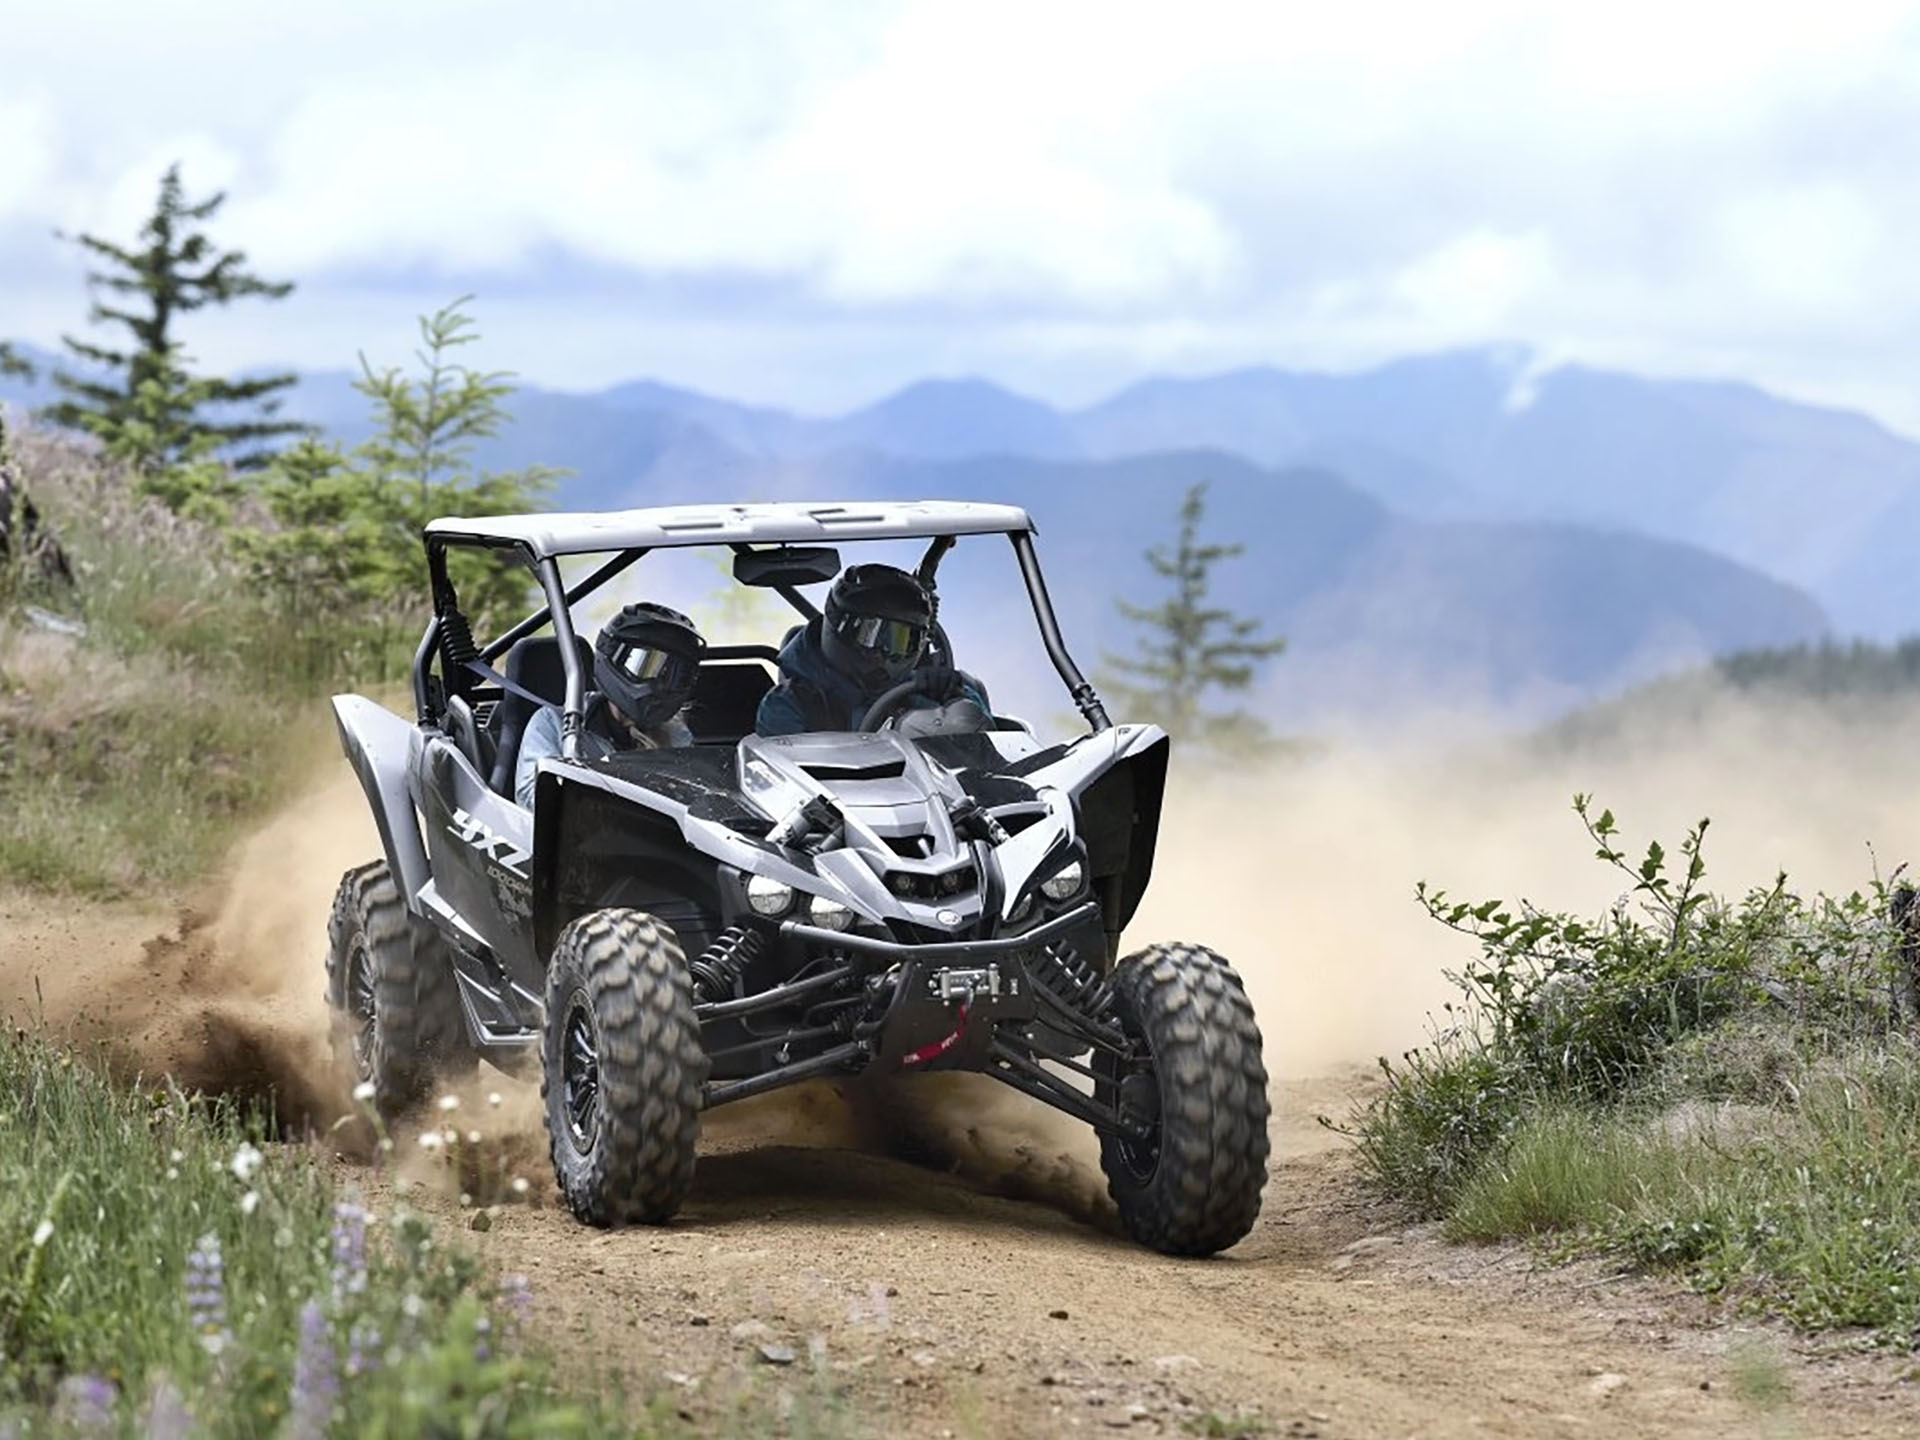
(349,1249)
(493,1098)
(431,1139)
(246,1160)
(85,1403)
(363,1092)
(449,1104)
(473,1137)
(316,1379)
(42,1233)
(363,1350)
(249,1202)
(516,1295)
(482,1328)
(206,1294)
(412,1306)
(520,1186)
(174,1157)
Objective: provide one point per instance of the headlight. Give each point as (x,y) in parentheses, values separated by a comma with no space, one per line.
(1022,910)
(767,896)
(1064,881)
(829,914)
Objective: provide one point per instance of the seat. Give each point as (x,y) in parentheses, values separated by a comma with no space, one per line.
(726,697)
(534,665)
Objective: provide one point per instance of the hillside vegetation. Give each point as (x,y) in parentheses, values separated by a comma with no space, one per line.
(1726,1088)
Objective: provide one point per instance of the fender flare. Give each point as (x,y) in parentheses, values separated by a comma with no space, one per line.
(378,744)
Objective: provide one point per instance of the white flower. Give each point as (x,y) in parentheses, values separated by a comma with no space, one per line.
(413,1307)
(520,1186)
(473,1137)
(173,1172)
(42,1233)
(246,1160)
(449,1103)
(431,1140)
(174,1157)
(363,1092)
(493,1098)
(249,1202)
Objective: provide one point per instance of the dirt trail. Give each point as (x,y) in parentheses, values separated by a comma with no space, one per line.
(947,1263)
(926,1303)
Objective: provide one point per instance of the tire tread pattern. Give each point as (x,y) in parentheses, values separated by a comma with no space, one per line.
(1204,1194)
(653,1068)
(420,1030)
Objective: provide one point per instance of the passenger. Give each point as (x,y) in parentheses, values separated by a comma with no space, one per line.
(871,638)
(645,662)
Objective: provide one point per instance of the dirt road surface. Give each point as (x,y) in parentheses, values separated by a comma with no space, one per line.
(947,1265)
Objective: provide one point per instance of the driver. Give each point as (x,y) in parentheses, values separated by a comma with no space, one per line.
(871,638)
(644,664)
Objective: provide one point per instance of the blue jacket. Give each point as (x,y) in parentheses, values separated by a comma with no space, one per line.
(812,695)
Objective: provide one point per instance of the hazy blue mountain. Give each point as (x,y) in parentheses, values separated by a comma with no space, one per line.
(951,420)
(1445,527)
(1380,610)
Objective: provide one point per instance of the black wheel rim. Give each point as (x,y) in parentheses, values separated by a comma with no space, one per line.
(1137,1099)
(580,1076)
(362,1009)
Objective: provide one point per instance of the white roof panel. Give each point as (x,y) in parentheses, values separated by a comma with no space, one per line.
(786,522)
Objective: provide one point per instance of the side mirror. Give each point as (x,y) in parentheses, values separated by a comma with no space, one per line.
(786,566)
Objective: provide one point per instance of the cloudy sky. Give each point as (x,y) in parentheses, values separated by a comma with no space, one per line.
(811,203)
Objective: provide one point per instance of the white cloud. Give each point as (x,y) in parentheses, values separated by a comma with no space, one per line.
(1073,187)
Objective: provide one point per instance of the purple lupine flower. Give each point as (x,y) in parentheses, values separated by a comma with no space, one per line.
(349,1250)
(517,1296)
(482,1329)
(363,1350)
(207,1295)
(316,1377)
(85,1404)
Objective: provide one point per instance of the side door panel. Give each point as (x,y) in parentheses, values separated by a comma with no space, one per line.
(481,847)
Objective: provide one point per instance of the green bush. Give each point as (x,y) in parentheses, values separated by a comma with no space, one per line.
(1727,1090)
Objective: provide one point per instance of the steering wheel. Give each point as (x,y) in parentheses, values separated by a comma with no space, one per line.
(891,704)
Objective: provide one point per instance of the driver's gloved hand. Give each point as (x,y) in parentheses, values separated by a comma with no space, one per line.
(937,682)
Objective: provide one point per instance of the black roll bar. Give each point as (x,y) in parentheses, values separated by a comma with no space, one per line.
(584,588)
(1085,697)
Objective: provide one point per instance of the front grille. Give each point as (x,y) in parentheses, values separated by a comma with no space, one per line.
(929,889)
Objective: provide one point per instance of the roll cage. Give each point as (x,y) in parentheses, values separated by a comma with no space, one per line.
(541,541)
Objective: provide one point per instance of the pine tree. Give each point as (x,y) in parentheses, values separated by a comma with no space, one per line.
(345,541)
(144,403)
(1188,648)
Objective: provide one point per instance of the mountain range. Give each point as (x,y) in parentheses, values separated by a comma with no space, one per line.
(1464,526)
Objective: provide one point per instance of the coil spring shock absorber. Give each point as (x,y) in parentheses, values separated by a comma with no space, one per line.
(722,966)
(1074,980)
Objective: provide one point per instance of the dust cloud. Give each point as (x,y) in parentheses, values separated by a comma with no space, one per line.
(1302,874)
(226,996)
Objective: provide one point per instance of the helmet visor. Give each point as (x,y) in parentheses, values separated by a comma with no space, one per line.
(645,662)
(898,641)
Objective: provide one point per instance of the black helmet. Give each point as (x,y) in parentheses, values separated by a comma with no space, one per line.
(645,663)
(877,619)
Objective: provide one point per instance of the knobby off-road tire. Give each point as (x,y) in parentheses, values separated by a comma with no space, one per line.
(397,1022)
(1194,1187)
(623,1069)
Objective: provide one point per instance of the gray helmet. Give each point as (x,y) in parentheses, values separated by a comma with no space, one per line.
(877,619)
(646,661)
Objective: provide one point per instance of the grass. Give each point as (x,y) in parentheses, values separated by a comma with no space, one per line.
(167,1272)
(1725,1091)
(132,756)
